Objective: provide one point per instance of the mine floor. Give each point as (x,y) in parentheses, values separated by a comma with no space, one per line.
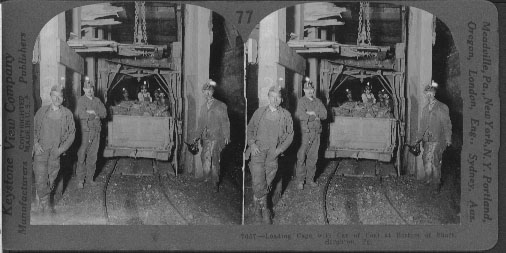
(358,198)
(156,199)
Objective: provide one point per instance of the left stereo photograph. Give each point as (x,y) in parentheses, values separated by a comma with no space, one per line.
(135,106)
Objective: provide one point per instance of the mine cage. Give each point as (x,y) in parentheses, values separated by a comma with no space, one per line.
(366,136)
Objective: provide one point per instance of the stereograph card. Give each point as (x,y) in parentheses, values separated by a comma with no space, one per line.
(145,125)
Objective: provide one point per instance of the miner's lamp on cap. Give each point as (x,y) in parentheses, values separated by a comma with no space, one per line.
(308,84)
(209,85)
(88,84)
(275,88)
(57,88)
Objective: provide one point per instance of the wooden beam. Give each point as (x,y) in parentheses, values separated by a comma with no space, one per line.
(51,71)
(94,50)
(323,33)
(97,11)
(145,63)
(76,21)
(318,10)
(418,74)
(366,63)
(290,59)
(299,20)
(318,50)
(68,57)
(76,77)
(99,22)
(90,42)
(325,22)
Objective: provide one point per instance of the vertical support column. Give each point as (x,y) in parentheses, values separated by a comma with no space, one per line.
(102,69)
(90,61)
(299,29)
(323,33)
(51,71)
(313,62)
(272,28)
(419,74)
(197,39)
(76,28)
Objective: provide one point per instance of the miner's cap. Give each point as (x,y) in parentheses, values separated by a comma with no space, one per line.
(432,87)
(57,88)
(275,88)
(308,85)
(209,85)
(88,84)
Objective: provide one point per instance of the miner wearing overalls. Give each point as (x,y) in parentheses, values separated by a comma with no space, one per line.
(269,133)
(144,95)
(54,132)
(89,111)
(435,132)
(367,96)
(214,131)
(310,111)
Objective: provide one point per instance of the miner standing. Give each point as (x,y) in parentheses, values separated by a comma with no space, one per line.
(435,132)
(269,133)
(54,132)
(310,111)
(214,131)
(89,111)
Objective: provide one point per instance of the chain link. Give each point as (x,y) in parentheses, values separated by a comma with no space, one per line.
(364,26)
(136,22)
(140,34)
(368,18)
(144,33)
(359,35)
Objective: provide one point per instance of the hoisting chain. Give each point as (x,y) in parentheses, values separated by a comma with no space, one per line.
(364,26)
(144,33)
(136,22)
(359,35)
(140,34)
(368,18)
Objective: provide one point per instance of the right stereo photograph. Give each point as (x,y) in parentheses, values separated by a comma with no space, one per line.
(354,117)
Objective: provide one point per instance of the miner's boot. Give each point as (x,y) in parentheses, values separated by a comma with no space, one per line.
(44,204)
(266,213)
(36,203)
(216,187)
(258,210)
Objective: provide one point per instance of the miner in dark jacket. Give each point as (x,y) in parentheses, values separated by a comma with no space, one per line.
(270,133)
(54,132)
(436,134)
(89,111)
(214,131)
(310,111)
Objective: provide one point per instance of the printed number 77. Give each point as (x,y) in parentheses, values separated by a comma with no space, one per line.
(240,16)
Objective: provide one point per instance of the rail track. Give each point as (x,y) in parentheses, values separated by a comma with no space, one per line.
(156,176)
(326,188)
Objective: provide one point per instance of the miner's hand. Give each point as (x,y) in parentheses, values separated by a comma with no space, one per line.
(227,141)
(278,152)
(38,148)
(56,152)
(254,149)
